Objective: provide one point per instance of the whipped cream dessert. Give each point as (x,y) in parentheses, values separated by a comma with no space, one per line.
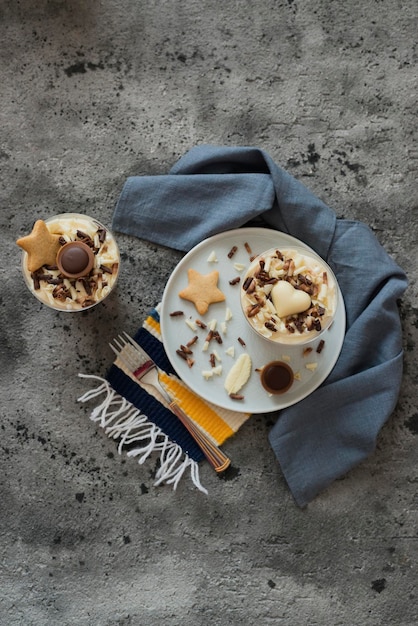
(289,296)
(86,263)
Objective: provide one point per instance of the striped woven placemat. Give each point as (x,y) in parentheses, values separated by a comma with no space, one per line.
(131,413)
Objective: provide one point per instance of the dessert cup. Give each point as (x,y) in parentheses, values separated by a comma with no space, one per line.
(72,292)
(289,296)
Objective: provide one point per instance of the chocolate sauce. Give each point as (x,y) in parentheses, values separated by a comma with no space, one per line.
(75,259)
(277,377)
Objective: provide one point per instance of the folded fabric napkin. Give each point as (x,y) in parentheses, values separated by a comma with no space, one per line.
(212,189)
(134,414)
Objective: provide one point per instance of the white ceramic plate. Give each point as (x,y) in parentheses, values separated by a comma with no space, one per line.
(175,330)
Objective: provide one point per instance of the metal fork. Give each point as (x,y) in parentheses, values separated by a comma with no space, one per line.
(141,365)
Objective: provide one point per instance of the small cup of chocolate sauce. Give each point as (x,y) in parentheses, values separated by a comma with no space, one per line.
(277,377)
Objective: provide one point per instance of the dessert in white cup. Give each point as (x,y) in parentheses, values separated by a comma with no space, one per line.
(86,264)
(289,296)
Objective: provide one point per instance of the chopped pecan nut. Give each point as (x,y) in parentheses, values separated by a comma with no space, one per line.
(61,292)
(247,283)
(87,302)
(217,337)
(253,310)
(101,232)
(320,346)
(182,354)
(209,336)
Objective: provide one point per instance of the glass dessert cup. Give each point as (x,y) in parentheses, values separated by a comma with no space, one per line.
(289,296)
(61,289)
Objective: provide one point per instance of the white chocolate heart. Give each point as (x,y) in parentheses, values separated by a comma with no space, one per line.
(289,301)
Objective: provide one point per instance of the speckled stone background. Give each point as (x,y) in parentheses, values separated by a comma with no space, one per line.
(94,91)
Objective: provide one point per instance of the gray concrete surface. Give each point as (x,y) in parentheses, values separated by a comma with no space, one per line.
(92,92)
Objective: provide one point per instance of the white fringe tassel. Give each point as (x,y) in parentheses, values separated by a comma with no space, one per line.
(121,420)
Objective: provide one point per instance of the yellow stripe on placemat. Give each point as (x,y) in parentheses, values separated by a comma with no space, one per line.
(152,326)
(203,413)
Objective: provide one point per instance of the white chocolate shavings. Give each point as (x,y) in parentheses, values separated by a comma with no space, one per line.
(224,327)
(238,374)
(240,267)
(212,324)
(214,371)
(228,314)
(190,323)
(212,258)
(230,351)
(216,355)
(311,366)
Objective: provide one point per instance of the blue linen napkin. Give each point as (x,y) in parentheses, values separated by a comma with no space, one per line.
(212,189)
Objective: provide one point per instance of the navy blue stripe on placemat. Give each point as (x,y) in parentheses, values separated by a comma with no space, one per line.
(155,349)
(154,410)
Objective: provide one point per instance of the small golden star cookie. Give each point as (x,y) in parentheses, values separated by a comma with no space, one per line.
(41,246)
(202,290)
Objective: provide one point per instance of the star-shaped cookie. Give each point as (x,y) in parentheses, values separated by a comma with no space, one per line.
(202,290)
(41,246)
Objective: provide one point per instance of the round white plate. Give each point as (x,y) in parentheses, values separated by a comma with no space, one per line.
(175,330)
